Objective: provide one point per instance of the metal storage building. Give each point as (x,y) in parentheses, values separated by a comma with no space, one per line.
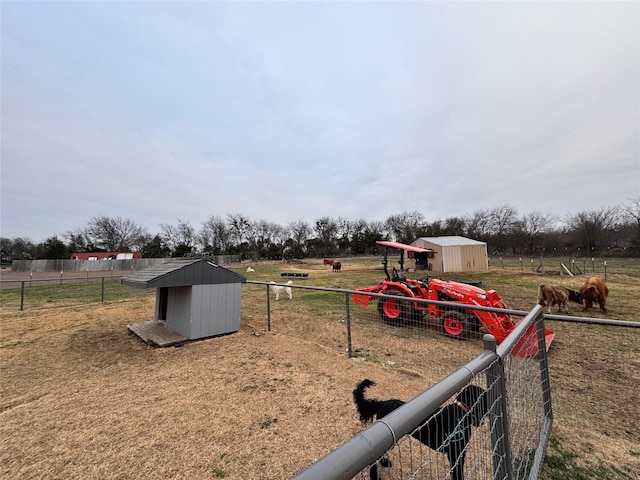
(451,254)
(195,299)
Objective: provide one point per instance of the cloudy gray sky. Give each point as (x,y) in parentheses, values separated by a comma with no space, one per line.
(167,111)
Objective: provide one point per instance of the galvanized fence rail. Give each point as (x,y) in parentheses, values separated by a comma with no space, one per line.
(64,290)
(353,314)
(509,444)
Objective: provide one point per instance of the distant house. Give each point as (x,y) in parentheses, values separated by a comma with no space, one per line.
(450,254)
(106,255)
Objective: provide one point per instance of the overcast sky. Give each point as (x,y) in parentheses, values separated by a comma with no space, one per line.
(166,111)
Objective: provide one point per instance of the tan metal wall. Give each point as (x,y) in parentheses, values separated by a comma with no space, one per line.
(453,258)
(465,258)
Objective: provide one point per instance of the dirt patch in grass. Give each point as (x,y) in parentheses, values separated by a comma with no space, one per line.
(83,398)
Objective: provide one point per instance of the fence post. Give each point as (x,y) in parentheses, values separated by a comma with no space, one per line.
(268,310)
(500,441)
(545,432)
(348,312)
(544,369)
(22,296)
(102,293)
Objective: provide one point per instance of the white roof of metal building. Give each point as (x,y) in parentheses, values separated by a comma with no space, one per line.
(453,240)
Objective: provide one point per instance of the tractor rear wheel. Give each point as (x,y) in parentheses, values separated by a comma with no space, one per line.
(394,312)
(455,324)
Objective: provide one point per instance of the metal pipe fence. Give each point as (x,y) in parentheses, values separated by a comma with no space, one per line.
(509,443)
(62,291)
(571,266)
(455,322)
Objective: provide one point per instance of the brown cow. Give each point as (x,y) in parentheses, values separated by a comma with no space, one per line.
(594,290)
(336,266)
(329,261)
(550,295)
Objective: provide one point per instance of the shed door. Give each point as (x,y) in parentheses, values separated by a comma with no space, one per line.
(163,296)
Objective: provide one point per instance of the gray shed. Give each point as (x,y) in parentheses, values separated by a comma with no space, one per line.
(194,299)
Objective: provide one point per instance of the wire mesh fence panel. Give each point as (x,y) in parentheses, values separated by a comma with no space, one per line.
(525,399)
(333,319)
(454,442)
(430,338)
(493,428)
(418,344)
(63,292)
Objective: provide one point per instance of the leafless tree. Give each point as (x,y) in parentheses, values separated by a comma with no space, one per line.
(180,239)
(533,226)
(591,227)
(239,228)
(326,229)
(406,226)
(631,212)
(453,226)
(300,231)
(266,236)
(115,234)
(77,241)
(479,224)
(215,235)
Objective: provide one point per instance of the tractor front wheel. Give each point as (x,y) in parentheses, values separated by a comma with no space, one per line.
(455,324)
(394,311)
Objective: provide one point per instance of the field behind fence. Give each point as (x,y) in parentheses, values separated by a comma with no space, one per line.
(594,369)
(594,376)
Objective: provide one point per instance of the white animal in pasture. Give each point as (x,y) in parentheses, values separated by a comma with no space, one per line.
(278,289)
(249,269)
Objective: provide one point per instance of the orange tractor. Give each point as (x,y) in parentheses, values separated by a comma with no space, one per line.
(456,318)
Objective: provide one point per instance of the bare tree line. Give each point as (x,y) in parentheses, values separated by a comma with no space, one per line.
(609,230)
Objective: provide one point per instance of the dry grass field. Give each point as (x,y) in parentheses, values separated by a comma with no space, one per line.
(83,398)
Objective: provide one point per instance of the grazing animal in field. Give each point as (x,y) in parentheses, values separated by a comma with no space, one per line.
(446,431)
(278,289)
(329,261)
(336,266)
(550,295)
(249,269)
(594,290)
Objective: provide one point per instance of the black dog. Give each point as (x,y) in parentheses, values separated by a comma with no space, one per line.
(448,430)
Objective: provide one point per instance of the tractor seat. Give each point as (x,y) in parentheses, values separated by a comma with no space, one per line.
(398,276)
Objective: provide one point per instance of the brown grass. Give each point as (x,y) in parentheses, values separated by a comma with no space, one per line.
(82,398)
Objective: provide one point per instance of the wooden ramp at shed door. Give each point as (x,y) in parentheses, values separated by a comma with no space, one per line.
(157,333)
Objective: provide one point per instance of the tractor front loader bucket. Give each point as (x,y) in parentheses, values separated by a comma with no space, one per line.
(361,299)
(527,346)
